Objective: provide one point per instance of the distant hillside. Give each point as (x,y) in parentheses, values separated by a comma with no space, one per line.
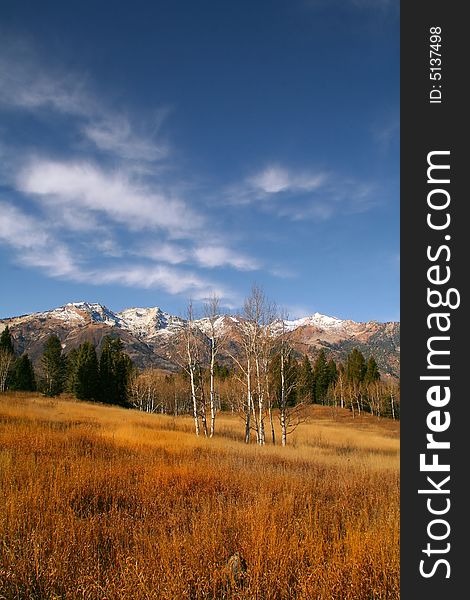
(151,336)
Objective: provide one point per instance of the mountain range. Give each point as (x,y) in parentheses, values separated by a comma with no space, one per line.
(150,336)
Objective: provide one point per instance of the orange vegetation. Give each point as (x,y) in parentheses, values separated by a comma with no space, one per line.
(99,502)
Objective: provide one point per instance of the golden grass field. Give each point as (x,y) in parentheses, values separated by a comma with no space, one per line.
(100,502)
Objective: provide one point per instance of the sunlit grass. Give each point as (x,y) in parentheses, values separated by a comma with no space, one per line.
(101,502)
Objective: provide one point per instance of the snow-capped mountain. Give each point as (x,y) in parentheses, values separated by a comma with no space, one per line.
(151,336)
(317,320)
(149,322)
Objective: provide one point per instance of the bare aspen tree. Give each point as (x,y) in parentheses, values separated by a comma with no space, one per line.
(199,361)
(192,357)
(190,365)
(340,384)
(392,402)
(259,316)
(377,393)
(350,393)
(251,328)
(251,331)
(211,312)
(151,390)
(283,392)
(268,341)
(265,352)
(6,360)
(256,339)
(289,417)
(144,391)
(245,378)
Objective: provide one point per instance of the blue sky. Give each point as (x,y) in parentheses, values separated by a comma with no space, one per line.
(155,151)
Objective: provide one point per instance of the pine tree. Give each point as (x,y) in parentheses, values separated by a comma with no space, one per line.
(54,367)
(332,372)
(71,370)
(107,384)
(321,377)
(306,381)
(6,341)
(85,377)
(115,371)
(122,373)
(355,366)
(372,371)
(23,374)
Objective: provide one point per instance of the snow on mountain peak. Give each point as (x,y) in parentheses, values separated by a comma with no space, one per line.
(151,323)
(316,320)
(98,313)
(148,322)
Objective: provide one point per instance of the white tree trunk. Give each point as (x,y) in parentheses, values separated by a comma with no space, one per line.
(212,387)
(392,404)
(261,434)
(283,416)
(248,405)
(6,359)
(193,384)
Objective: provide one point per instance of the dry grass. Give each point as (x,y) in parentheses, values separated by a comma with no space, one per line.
(100,502)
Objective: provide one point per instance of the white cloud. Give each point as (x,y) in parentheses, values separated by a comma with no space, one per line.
(275,183)
(115,135)
(174,281)
(27,85)
(20,230)
(163,252)
(275,179)
(219,256)
(303,195)
(37,246)
(83,207)
(271,180)
(56,260)
(113,193)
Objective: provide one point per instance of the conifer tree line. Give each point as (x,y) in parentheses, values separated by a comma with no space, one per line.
(16,372)
(79,372)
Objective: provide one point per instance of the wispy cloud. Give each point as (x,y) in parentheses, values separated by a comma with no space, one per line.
(274,183)
(174,281)
(41,249)
(113,193)
(107,216)
(302,195)
(115,135)
(27,85)
(165,252)
(88,201)
(220,256)
(24,84)
(20,230)
(275,179)
(37,246)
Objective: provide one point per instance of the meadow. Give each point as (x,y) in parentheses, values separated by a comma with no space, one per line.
(100,502)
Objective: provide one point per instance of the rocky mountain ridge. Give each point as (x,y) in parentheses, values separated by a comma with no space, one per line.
(150,335)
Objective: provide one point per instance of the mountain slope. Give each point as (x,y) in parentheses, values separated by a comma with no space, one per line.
(151,336)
